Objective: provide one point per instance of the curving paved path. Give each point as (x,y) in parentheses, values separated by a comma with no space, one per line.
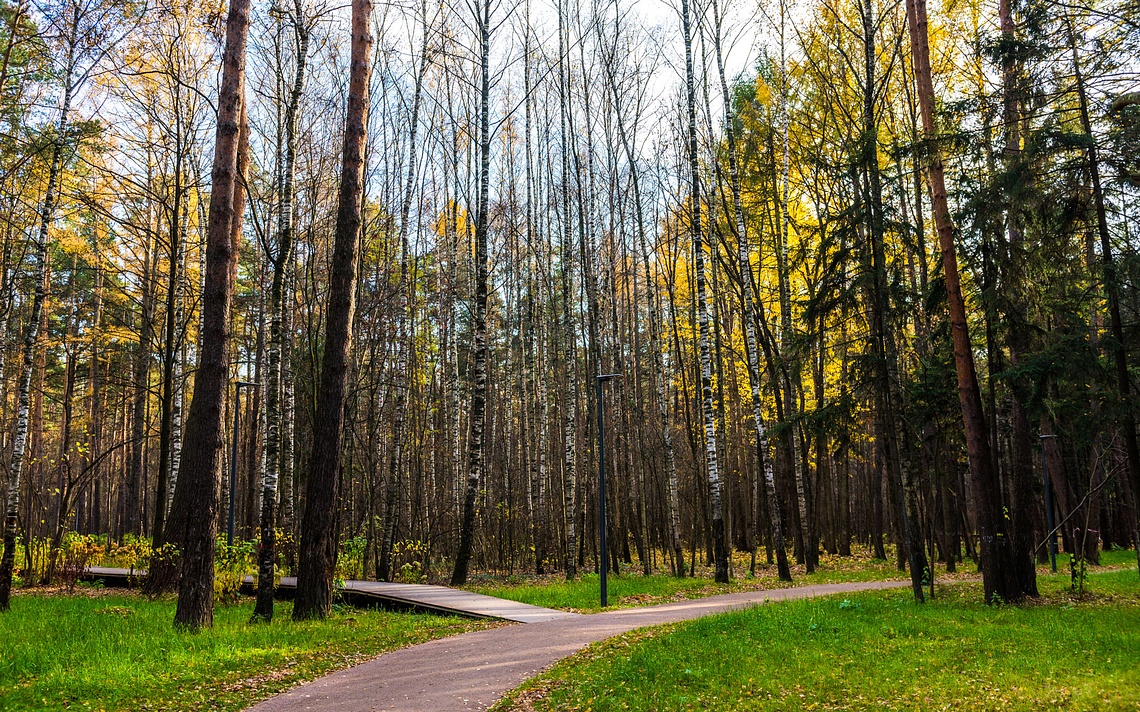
(472,671)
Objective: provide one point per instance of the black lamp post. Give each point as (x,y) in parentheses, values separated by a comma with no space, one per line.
(1049,506)
(601,379)
(238,385)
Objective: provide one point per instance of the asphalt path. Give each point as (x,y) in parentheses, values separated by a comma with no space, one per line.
(472,671)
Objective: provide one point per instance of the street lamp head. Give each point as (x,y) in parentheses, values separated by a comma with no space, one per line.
(1046,436)
(246,384)
(608,376)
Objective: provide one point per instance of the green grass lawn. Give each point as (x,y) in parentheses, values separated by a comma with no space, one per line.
(871,651)
(631,588)
(104,651)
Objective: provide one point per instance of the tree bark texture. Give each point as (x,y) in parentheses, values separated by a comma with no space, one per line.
(201,468)
(318,549)
(998,576)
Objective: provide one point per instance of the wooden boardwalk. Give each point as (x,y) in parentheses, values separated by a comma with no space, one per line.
(438,599)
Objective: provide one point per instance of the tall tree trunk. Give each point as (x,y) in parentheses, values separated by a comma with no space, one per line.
(748,305)
(130,494)
(32,332)
(569,359)
(1017,317)
(720,551)
(95,410)
(199,495)
(891,424)
(537,323)
(793,436)
(65,480)
(288,402)
(170,348)
(318,549)
(998,576)
(278,338)
(475,445)
(253,450)
(404,308)
(582,172)
(177,377)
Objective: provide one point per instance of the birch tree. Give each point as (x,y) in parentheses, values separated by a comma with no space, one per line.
(720,551)
(747,301)
(299,18)
(479,390)
(84,32)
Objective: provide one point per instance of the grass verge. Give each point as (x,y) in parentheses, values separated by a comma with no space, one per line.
(870,651)
(105,651)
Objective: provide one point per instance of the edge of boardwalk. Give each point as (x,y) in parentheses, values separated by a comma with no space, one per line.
(437,599)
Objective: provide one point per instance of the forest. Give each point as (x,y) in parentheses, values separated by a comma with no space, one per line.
(338,282)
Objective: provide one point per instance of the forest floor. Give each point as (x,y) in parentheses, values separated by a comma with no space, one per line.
(873,650)
(108,650)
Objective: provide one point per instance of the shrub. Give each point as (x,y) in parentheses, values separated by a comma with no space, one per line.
(132,552)
(410,554)
(350,563)
(232,563)
(77,552)
(286,544)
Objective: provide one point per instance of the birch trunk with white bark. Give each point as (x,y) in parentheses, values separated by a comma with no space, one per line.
(748,305)
(279,338)
(32,333)
(720,552)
